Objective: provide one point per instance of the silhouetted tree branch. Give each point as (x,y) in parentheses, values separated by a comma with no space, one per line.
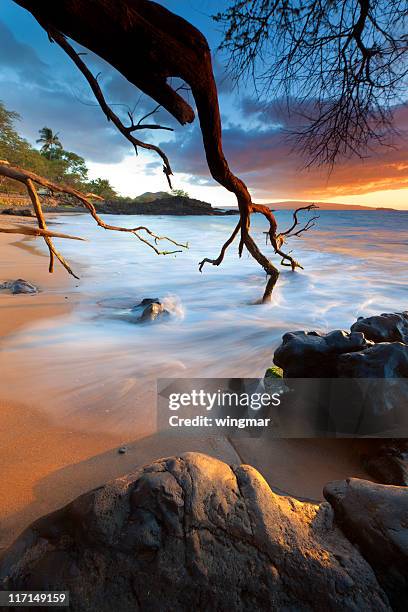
(341,65)
(127,132)
(148,45)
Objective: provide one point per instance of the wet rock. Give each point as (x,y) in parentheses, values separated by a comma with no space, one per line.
(313,355)
(387,327)
(149,309)
(377,390)
(375,518)
(153,311)
(365,386)
(384,360)
(192,533)
(147,301)
(19,286)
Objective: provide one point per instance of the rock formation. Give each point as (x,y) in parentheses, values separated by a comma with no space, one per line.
(170,205)
(19,286)
(387,327)
(313,355)
(386,459)
(375,518)
(192,533)
(367,390)
(377,347)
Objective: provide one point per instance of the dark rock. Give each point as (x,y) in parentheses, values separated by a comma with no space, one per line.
(386,460)
(310,354)
(147,301)
(384,360)
(192,533)
(153,311)
(389,469)
(19,286)
(21,212)
(163,205)
(149,309)
(122,450)
(365,389)
(378,388)
(387,327)
(375,518)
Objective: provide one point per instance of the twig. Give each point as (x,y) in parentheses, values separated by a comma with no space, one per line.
(30,178)
(61,40)
(219,259)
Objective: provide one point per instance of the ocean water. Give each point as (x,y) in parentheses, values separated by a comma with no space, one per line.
(91,368)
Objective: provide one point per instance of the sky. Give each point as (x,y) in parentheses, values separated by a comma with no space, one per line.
(40,82)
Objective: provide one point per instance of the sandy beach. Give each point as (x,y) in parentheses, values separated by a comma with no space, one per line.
(44,466)
(45,463)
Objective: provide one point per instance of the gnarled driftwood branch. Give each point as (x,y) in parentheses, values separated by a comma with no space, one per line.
(30,179)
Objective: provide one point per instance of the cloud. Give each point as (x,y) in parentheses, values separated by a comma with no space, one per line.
(21,59)
(56,94)
(265,159)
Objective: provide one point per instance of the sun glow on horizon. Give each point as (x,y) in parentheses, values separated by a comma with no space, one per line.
(131,178)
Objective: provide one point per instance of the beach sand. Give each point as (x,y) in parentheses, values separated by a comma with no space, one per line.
(44,465)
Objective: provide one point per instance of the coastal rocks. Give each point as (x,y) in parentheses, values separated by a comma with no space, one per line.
(378,387)
(387,327)
(146,311)
(310,354)
(366,386)
(19,286)
(153,311)
(384,360)
(374,517)
(377,347)
(387,460)
(150,309)
(20,212)
(192,533)
(165,204)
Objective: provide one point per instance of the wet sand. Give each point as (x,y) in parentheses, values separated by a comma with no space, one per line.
(44,463)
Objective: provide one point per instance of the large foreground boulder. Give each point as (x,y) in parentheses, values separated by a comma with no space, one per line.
(375,518)
(192,533)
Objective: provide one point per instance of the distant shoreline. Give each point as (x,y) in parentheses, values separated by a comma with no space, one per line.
(25,211)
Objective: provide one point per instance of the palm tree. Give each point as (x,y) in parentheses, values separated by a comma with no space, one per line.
(50,142)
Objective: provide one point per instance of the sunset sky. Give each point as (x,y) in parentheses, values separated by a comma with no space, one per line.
(39,82)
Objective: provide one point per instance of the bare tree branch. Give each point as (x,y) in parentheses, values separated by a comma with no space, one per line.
(61,40)
(341,67)
(150,45)
(29,179)
(27,230)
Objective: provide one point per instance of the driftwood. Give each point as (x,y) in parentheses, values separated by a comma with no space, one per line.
(30,179)
(148,44)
